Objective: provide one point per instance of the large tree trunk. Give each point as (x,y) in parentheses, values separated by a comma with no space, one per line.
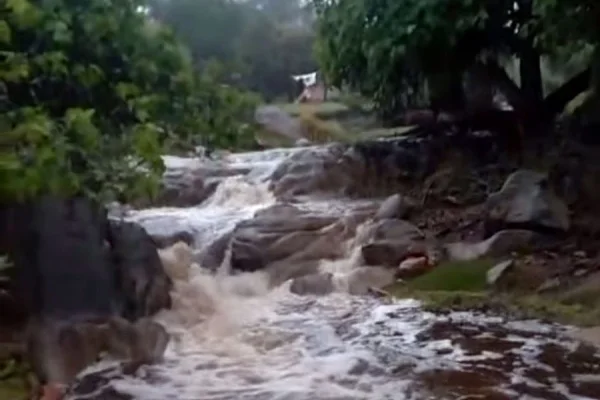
(529,61)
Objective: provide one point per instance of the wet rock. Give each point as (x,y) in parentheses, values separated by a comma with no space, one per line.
(413,267)
(275,120)
(500,244)
(285,232)
(71,260)
(142,281)
(168,239)
(302,142)
(526,201)
(396,230)
(395,206)
(319,284)
(390,253)
(362,279)
(497,272)
(60,349)
(211,257)
(313,170)
(61,257)
(184,188)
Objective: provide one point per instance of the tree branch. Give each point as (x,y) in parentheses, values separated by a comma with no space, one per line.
(556,101)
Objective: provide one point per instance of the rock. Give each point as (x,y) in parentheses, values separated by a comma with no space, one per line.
(166,229)
(59,349)
(302,142)
(501,244)
(313,170)
(184,188)
(211,257)
(284,232)
(360,280)
(61,257)
(163,240)
(548,285)
(413,267)
(143,283)
(396,230)
(496,273)
(390,253)
(275,120)
(395,206)
(176,260)
(526,201)
(319,284)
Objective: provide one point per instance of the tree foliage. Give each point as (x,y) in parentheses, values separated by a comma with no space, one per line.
(260,43)
(91,93)
(386,48)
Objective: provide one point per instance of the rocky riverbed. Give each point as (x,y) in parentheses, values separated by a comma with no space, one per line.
(280,268)
(278,300)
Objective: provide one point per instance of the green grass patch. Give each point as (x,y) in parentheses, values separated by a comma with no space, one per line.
(451,276)
(324,110)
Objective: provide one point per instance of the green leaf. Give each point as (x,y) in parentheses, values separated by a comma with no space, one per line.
(5,33)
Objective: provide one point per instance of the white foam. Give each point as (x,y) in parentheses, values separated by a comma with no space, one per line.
(235,337)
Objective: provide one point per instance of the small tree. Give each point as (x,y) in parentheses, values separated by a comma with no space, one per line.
(92,91)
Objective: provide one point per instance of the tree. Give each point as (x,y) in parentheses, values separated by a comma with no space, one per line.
(387,48)
(92,92)
(260,43)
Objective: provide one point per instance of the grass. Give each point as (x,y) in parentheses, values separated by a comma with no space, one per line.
(326,110)
(13,380)
(462,286)
(454,276)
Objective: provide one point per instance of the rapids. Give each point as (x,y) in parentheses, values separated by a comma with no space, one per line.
(233,337)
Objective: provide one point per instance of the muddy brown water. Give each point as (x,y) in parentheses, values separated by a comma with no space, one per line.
(233,337)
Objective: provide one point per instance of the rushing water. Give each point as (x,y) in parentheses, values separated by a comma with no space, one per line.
(235,338)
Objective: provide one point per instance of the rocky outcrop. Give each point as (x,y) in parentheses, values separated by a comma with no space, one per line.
(70,260)
(526,201)
(364,169)
(282,232)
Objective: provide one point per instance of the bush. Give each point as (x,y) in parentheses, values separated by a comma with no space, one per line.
(93,92)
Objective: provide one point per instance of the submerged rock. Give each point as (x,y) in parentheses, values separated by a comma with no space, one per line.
(319,284)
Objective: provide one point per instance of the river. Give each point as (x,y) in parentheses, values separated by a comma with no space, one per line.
(234,337)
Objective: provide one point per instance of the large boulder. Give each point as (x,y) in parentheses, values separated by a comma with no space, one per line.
(71,260)
(282,232)
(526,201)
(61,257)
(141,279)
(389,241)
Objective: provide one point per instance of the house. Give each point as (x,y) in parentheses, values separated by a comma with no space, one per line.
(315,90)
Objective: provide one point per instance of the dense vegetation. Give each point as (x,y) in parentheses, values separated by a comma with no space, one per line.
(413,51)
(93,91)
(259,44)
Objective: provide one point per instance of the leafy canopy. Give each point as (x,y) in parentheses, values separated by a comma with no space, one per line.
(387,48)
(92,92)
